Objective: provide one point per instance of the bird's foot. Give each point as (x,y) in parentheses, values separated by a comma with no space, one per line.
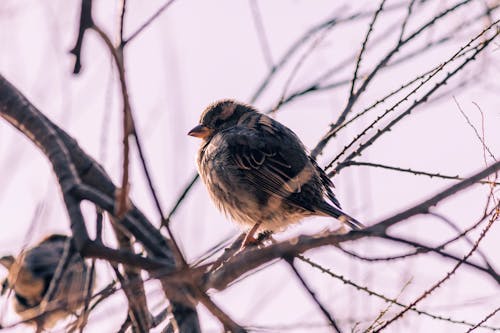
(250,240)
(264,236)
(246,242)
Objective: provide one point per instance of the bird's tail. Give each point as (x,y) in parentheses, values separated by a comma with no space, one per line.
(341,216)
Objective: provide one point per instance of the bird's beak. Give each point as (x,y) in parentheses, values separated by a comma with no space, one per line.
(200,131)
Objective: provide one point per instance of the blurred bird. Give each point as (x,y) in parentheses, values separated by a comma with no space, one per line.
(30,275)
(259,172)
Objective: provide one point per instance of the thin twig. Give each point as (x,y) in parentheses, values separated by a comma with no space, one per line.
(416,172)
(148,22)
(229,324)
(463,235)
(405,21)
(477,49)
(261,33)
(445,278)
(301,40)
(299,64)
(385,298)
(181,198)
(351,101)
(325,312)
(122,198)
(121,21)
(360,56)
(491,272)
(485,319)
(479,136)
(418,250)
(483,140)
(149,179)
(377,321)
(382,226)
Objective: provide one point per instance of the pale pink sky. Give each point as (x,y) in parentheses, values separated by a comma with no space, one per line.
(201,51)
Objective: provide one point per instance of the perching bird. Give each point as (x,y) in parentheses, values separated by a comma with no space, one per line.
(30,275)
(259,172)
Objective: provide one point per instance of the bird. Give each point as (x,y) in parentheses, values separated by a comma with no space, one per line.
(258,171)
(30,274)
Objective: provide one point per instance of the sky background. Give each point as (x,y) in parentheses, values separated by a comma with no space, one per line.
(200,51)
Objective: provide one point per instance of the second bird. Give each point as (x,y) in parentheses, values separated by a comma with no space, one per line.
(259,172)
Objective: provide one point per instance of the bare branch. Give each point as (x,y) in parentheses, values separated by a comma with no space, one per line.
(479,136)
(382,226)
(485,319)
(385,298)
(477,49)
(228,322)
(419,249)
(121,21)
(181,198)
(416,172)
(86,22)
(261,33)
(492,273)
(128,123)
(405,21)
(351,101)
(445,278)
(325,312)
(333,20)
(148,22)
(299,64)
(138,314)
(360,57)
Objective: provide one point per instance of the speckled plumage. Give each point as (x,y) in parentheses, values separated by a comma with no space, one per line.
(258,171)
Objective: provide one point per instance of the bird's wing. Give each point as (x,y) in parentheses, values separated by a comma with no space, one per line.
(274,162)
(327,183)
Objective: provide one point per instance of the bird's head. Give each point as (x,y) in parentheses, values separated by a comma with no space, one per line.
(219,116)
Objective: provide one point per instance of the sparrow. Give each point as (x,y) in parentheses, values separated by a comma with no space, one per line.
(259,172)
(30,274)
